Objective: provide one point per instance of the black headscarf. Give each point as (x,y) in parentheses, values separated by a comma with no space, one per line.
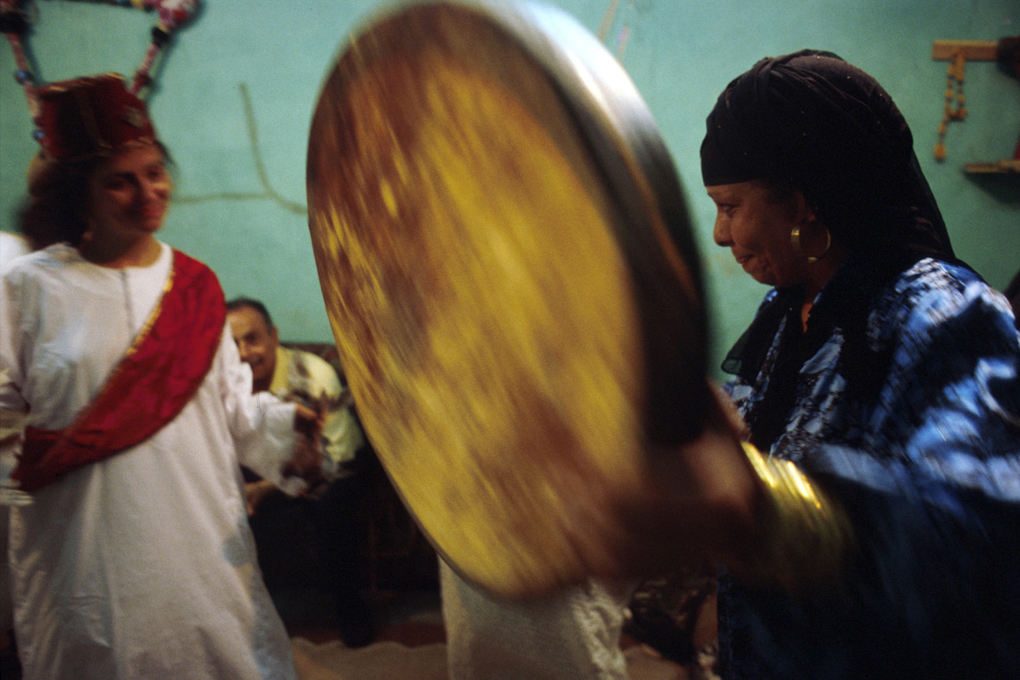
(812,122)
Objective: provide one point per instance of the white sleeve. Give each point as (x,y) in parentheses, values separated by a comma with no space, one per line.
(261,424)
(12,404)
(11,367)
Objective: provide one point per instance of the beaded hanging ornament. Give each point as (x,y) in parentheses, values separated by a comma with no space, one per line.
(15,23)
(954,90)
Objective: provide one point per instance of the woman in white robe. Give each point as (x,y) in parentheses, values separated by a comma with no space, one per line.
(573,634)
(140,565)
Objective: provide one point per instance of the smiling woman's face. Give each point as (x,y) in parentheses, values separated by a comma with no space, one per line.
(129,194)
(755,225)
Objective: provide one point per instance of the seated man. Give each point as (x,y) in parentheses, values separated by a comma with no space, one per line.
(330,508)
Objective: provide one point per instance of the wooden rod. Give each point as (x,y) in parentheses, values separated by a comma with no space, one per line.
(973,50)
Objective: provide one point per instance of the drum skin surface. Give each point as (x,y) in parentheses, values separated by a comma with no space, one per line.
(505,258)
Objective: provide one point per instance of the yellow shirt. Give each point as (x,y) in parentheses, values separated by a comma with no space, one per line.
(304,378)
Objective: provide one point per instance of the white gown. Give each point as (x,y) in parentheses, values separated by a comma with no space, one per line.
(141,565)
(571,635)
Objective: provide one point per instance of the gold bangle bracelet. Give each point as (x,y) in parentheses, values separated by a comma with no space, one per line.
(806,536)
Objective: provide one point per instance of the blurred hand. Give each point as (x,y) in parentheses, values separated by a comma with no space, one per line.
(306,461)
(256,492)
(308,422)
(697,502)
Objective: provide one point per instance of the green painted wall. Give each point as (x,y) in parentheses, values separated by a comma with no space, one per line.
(247,67)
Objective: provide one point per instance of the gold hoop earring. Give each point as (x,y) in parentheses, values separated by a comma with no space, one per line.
(795,240)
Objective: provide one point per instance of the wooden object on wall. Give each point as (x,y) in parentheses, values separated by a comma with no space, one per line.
(958,52)
(972,50)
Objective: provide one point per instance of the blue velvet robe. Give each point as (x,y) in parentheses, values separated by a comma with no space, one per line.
(925,458)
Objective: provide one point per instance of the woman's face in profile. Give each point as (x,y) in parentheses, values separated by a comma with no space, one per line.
(129,194)
(755,225)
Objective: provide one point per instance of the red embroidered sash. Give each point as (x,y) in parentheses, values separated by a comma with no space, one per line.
(152,383)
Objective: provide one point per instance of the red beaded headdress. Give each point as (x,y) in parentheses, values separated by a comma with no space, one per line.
(90,116)
(14,23)
(79,118)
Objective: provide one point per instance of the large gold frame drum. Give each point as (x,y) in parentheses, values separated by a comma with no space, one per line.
(505,257)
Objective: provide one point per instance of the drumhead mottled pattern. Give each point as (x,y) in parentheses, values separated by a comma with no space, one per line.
(486,278)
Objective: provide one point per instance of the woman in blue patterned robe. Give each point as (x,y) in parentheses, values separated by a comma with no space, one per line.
(886,370)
